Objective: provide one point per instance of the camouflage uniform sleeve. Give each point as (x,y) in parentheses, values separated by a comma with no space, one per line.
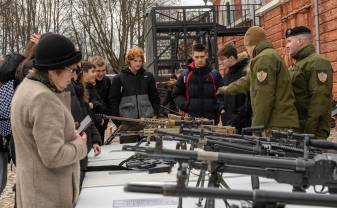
(239,86)
(320,86)
(264,75)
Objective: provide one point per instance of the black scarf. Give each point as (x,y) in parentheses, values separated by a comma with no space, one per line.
(44,80)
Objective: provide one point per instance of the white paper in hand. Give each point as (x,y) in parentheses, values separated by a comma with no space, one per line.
(85,123)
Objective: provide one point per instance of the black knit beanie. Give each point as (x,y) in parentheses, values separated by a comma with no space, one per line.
(55,51)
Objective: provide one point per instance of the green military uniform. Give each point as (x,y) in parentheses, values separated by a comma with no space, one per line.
(272,99)
(312,85)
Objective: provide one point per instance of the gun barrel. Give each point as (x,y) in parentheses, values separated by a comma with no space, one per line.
(259,196)
(230,158)
(253,129)
(237,136)
(322,144)
(193,122)
(290,135)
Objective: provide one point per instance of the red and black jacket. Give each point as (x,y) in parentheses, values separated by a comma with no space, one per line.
(195,92)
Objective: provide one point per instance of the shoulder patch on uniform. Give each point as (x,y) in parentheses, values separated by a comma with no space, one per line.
(322,76)
(261,75)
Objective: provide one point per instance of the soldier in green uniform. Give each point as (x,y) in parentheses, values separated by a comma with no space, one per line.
(311,77)
(268,82)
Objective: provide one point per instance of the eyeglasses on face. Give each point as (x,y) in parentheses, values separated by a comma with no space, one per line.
(71,69)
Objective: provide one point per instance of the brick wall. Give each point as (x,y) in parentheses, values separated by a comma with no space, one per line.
(328,32)
(293,13)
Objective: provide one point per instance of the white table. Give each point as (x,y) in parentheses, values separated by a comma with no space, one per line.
(105,189)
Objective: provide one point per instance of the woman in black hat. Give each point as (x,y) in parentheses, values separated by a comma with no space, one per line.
(48,149)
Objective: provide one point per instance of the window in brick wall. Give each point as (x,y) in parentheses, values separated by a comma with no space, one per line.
(248,12)
(232,13)
(224,12)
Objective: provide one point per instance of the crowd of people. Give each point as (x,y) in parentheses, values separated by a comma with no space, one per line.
(49,90)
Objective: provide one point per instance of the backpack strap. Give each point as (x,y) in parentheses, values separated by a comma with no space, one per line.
(188,76)
(212,76)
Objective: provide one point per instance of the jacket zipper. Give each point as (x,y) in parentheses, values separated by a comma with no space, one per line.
(137,106)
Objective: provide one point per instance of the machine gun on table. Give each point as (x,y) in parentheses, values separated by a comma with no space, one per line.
(243,144)
(158,123)
(298,172)
(260,198)
(167,123)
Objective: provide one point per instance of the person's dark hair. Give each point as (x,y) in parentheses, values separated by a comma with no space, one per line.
(228,50)
(199,48)
(86,65)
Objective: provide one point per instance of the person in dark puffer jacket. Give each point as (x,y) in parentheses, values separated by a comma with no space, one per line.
(133,94)
(195,91)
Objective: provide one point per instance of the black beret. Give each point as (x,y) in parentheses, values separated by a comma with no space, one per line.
(297,31)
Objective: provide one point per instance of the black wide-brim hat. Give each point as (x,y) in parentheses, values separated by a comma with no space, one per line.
(55,51)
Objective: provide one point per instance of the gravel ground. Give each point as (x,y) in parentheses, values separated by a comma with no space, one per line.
(7,197)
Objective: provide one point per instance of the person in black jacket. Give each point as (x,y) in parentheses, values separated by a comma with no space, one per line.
(96,104)
(237,110)
(102,86)
(80,108)
(133,93)
(195,91)
(11,74)
(10,68)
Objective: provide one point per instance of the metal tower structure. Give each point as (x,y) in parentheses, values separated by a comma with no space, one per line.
(171,31)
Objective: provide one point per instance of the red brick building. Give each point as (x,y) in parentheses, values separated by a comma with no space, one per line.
(278,15)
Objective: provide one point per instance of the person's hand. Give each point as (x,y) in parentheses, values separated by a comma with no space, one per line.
(221,90)
(97,149)
(83,137)
(30,46)
(35,38)
(171,82)
(91,105)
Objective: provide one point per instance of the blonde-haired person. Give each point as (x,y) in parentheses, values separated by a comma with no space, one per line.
(48,149)
(102,85)
(133,93)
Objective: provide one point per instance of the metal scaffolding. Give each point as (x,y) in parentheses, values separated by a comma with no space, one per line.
(171,31)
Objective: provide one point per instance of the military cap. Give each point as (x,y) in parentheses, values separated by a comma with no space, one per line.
(297,31)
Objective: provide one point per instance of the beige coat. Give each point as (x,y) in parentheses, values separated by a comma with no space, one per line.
(48,157)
